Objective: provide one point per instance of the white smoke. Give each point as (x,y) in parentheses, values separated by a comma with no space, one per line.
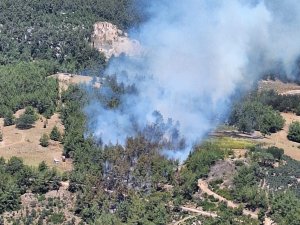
(199,54)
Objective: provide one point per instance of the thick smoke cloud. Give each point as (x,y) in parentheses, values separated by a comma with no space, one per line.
(198,55)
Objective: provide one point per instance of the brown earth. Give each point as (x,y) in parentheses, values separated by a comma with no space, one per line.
(280,139)
(26,144)
(279,86)
(203,186)
(111,41)
(66,79)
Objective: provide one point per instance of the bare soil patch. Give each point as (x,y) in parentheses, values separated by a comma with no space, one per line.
(279,87)
(26,145)
(280,139)
(111,41)
(66,79)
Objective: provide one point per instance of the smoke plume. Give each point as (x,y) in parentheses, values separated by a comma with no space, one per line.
(198,55)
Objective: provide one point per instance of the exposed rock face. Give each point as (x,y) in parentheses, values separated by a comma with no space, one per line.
(110,40)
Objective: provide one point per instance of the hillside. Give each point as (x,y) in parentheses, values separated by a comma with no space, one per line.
(171,135)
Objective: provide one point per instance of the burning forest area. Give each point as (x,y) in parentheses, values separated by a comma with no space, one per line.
(150,113)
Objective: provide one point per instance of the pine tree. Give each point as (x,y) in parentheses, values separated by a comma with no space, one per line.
(44,140)
(55,135)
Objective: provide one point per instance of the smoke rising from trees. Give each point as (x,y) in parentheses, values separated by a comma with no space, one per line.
(198,56)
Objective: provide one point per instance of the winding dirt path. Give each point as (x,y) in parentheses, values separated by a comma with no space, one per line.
(183,220)
(200,212)
(193,210)
(204,187)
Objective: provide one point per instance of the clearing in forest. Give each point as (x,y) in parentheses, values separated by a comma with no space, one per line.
(26,145)
(280,139)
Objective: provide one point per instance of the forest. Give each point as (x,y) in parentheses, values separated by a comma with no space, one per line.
(59,31)
(132,183)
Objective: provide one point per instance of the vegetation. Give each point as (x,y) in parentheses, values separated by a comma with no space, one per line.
(197,166)
(136,166)
(294,132)
(285,208)
(232,143)
(44,140)
(55,134)
(19,178)
(25,84)
(58,32)
(134,181)
(27,119)
(252,115)
(282,103)
(9,119)
(246,187)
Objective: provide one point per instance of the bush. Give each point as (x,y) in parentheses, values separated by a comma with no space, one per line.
(27,119)
(55,135)
(9,119)
(253,115)
(57,218)
(276,152)
(294,132)
(44,140)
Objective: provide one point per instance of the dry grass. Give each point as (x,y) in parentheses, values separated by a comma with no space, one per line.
(232,143)
(25,144)
(280,139)
(279,86)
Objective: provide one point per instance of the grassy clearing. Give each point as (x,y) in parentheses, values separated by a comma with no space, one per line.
(232,143)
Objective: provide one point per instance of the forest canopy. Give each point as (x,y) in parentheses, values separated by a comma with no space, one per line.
(58,31)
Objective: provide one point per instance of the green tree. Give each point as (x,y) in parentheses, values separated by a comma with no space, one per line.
(294,132)
(44,140)
(42,166)
(27,119)
(252,115)
(276,152)
(9,119)
(285,208)
(55,134)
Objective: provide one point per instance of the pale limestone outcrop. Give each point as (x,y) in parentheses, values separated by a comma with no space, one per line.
(110,40)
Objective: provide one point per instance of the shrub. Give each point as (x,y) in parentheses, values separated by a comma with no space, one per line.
(44,140)
(294,132)
(9,119)
(27,119)
(276,152)
(57,218)
(253,115)
(55,135)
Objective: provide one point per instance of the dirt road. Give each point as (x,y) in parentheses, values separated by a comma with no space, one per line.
(204,187)
(193,210)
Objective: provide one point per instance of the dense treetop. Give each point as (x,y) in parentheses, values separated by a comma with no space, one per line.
(58,30)
(25,84)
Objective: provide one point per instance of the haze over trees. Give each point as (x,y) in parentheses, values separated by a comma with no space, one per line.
(131,183)
(252,115)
